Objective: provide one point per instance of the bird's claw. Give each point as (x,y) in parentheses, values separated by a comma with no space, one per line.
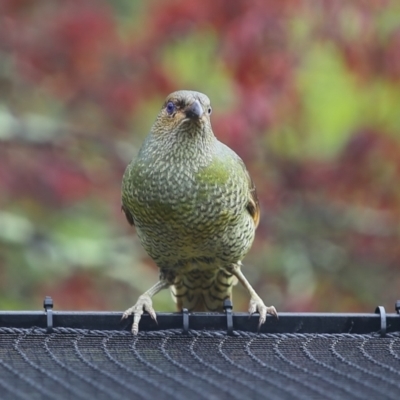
(256,304)
(143,303)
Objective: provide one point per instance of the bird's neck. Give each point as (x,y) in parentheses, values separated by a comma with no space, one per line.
(183,147)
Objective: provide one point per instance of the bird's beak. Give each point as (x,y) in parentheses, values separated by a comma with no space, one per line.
(194,111)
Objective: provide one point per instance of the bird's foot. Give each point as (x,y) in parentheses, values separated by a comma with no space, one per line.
(144,303)
(256,304)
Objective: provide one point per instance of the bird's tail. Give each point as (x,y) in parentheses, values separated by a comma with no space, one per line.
(203,290)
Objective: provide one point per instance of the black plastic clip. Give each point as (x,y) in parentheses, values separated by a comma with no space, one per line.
(48,307)
(381,310)
(229,316)
(397,306)
(185,314)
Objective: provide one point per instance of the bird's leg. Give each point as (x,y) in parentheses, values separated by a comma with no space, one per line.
(144,303)
(256,304)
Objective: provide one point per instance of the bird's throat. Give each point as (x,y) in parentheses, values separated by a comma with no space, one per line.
(185,145)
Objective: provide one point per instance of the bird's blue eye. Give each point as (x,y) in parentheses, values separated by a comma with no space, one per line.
(170,107)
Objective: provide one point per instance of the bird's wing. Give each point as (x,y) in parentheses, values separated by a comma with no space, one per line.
(126,190)
(253,206)
(128,215)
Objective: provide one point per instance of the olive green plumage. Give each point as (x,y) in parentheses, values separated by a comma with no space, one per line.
(192,202)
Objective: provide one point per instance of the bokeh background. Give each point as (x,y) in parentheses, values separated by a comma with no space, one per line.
(306,92)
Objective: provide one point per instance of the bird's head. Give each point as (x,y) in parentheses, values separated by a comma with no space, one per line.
(185,111)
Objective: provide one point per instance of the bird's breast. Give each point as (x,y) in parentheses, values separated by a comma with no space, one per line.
(183,212)
(183,200)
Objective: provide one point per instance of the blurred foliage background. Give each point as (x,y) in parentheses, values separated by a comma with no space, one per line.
(306,92)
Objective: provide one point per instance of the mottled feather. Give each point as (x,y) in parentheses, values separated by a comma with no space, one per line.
(193,203)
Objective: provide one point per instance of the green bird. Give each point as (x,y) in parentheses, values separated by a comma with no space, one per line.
(195,210)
